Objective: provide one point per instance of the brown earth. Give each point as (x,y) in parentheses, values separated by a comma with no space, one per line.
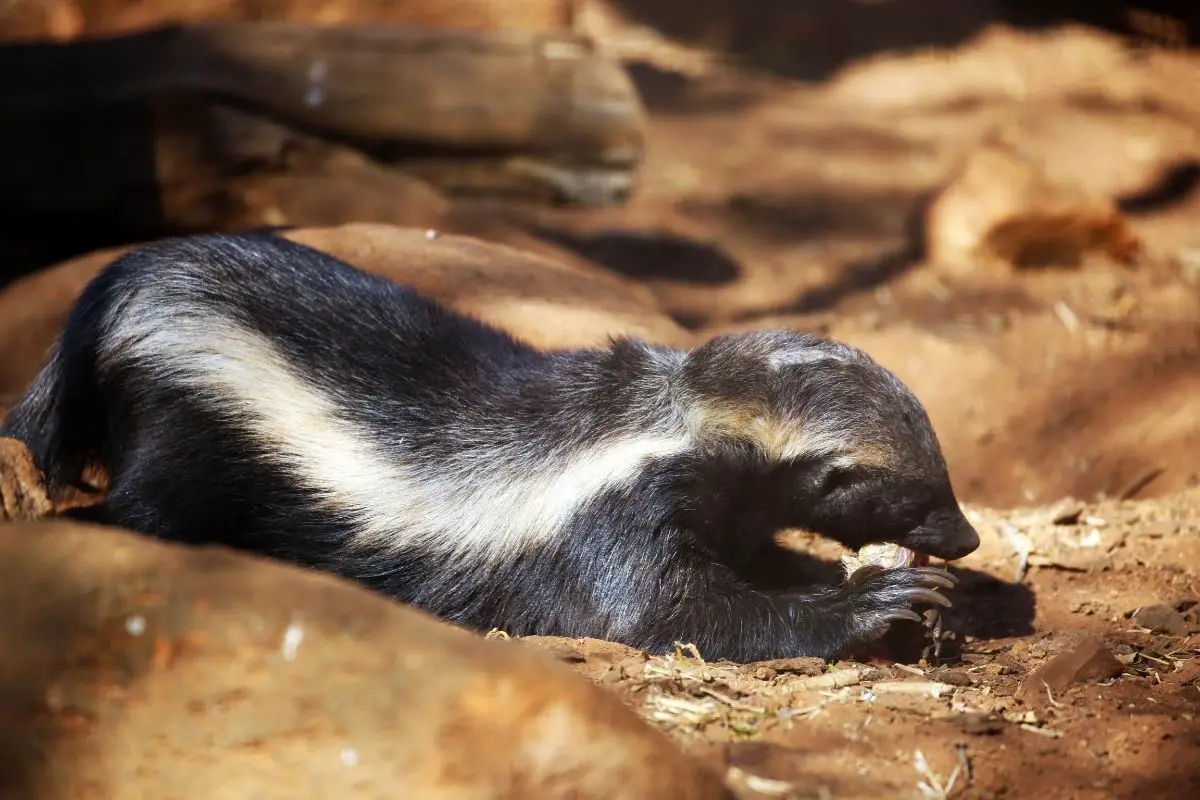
(767,200)
(1055,692)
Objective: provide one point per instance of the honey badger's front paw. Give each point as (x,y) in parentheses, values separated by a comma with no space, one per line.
(875,597)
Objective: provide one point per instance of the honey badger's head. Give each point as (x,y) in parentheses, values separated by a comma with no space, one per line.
(842,447)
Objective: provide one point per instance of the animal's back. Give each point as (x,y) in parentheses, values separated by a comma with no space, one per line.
(237,386)
(318,311)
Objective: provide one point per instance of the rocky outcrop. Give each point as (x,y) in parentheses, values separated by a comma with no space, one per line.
(139,669)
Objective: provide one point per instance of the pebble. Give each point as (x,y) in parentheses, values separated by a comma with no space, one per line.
(1081,658)
(1161,619)
(954,677)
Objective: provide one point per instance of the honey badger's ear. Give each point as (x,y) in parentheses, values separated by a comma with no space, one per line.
(742,364)
(727,367)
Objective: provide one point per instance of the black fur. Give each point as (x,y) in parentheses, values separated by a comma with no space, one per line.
(659,559)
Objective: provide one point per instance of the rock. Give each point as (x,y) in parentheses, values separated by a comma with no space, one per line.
(1160,619)
(545,300)
(976,724)
(22,493)
(1192,617)
(953,677)
(797,666)
(1077,657)
(548,302)
(1067,511)
(136,668)
(1003,208)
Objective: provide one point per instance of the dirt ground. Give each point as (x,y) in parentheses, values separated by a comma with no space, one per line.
(1048,688)
(1071,666)
(769,201)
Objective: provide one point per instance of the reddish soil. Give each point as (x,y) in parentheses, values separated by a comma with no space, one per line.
(855,733)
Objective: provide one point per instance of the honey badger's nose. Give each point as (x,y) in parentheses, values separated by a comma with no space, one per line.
(945,534)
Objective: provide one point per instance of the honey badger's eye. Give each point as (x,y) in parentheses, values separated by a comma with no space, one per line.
(835,479)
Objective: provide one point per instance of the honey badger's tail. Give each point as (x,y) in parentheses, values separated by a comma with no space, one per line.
(61,417)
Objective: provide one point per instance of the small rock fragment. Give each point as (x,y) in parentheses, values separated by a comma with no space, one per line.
(1192,617)
(797,666)
(953,677)
(1067,512)
(1080,658)
(1161,619)
(981,725)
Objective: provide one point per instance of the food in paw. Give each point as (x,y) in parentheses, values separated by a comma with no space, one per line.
(884,555)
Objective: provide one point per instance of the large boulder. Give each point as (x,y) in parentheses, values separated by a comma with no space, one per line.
(546,301)
(139,669)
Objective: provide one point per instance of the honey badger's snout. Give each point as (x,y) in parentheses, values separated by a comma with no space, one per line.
(946,533)
(917,484)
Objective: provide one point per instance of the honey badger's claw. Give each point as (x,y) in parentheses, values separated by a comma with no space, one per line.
(938,577)
(930,596)
(877,597)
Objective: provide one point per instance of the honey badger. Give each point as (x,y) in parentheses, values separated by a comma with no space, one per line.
(248,391)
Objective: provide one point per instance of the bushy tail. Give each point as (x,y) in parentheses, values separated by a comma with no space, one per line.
(61,417)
